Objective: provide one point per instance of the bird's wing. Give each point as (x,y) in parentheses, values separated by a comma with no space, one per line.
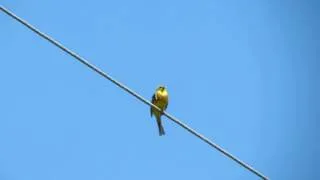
(166,105)
(152,101)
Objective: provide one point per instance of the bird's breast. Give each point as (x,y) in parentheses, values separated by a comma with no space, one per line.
(162,96)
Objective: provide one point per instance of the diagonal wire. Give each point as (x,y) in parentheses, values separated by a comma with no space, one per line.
(125,88)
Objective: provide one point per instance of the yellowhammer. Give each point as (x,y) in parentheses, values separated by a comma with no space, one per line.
(159,99)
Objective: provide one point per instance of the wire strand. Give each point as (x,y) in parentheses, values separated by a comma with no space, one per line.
(127,89)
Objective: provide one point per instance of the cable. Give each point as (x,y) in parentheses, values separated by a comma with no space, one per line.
(122,86)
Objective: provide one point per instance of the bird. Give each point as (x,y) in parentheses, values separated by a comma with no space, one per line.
(160,99)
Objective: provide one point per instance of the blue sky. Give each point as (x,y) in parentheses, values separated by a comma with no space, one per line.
(245,74)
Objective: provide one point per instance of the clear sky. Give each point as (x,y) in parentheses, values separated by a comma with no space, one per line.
(243,73)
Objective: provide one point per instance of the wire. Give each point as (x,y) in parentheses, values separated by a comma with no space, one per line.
(122,86)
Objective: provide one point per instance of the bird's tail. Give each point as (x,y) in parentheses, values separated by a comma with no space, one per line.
(161,130)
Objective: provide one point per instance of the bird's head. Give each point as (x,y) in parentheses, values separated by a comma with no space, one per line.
(161,88)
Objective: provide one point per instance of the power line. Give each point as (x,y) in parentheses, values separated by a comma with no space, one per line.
(122,86)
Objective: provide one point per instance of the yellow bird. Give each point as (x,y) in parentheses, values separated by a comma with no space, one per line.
(160,99)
